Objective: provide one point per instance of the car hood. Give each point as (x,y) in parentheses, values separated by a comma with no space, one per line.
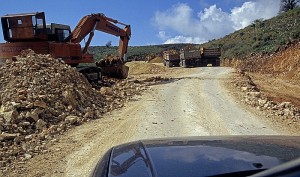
(197,156)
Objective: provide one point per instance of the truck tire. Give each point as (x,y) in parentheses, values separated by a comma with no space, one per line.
(171,64)
(168,64)
(217,62)
(183,64)
(199,63)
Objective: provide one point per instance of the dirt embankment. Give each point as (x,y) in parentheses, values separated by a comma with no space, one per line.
(271,83)
(156,60)
(136,68)
(277,75)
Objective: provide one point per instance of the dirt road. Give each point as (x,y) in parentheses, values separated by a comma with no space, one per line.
(191,105)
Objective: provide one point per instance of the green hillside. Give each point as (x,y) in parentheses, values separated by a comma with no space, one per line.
(139,52)
(261,36)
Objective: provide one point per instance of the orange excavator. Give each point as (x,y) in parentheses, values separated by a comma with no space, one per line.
(30,31)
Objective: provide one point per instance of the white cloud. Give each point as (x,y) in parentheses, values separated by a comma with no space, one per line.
(250,11)
(211,23)
(178,18)
(184,39)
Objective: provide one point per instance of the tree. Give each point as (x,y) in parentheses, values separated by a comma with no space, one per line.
(108,44)
(286,5)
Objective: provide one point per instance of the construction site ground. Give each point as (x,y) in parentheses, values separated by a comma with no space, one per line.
(201,101)
(278,89)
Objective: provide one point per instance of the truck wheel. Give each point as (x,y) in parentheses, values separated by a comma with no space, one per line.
(168,64)
(199,64)
(183,64)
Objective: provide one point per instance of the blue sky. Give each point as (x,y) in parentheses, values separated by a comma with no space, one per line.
(153,21)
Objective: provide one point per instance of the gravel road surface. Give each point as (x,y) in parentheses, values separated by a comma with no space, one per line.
(192,105)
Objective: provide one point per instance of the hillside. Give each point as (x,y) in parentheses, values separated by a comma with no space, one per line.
(134,52)
(261,36)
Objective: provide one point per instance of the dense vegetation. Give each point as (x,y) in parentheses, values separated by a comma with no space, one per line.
(261,36)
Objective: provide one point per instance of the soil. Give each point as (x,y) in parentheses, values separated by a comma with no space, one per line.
(193,102)
(137,68)
(278,89)
(156,60)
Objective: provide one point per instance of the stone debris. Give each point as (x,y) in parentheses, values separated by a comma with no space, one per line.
(254,97)
(41,97)
(38,92)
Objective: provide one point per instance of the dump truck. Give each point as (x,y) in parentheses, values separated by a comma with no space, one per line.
(30,31)
(171,58)
(210,56)
(191,56)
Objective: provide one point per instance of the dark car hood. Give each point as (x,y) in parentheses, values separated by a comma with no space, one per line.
(197,156)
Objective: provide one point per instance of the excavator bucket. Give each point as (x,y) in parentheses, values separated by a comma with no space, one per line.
(119,71)
(114,67)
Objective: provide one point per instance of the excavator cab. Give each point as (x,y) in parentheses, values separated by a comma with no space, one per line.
(58,32)
(32,27)
(24,27)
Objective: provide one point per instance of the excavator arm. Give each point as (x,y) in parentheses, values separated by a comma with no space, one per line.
(88,24)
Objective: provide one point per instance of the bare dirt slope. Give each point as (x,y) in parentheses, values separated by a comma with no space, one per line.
(193,104)
(278,89)
(277,75)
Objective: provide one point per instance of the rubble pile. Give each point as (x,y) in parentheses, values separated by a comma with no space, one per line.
(117,92)
(254,97)
(41,97)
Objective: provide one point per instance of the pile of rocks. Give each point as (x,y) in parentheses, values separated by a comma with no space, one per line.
(254,97)
(117,92)
(40,97)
